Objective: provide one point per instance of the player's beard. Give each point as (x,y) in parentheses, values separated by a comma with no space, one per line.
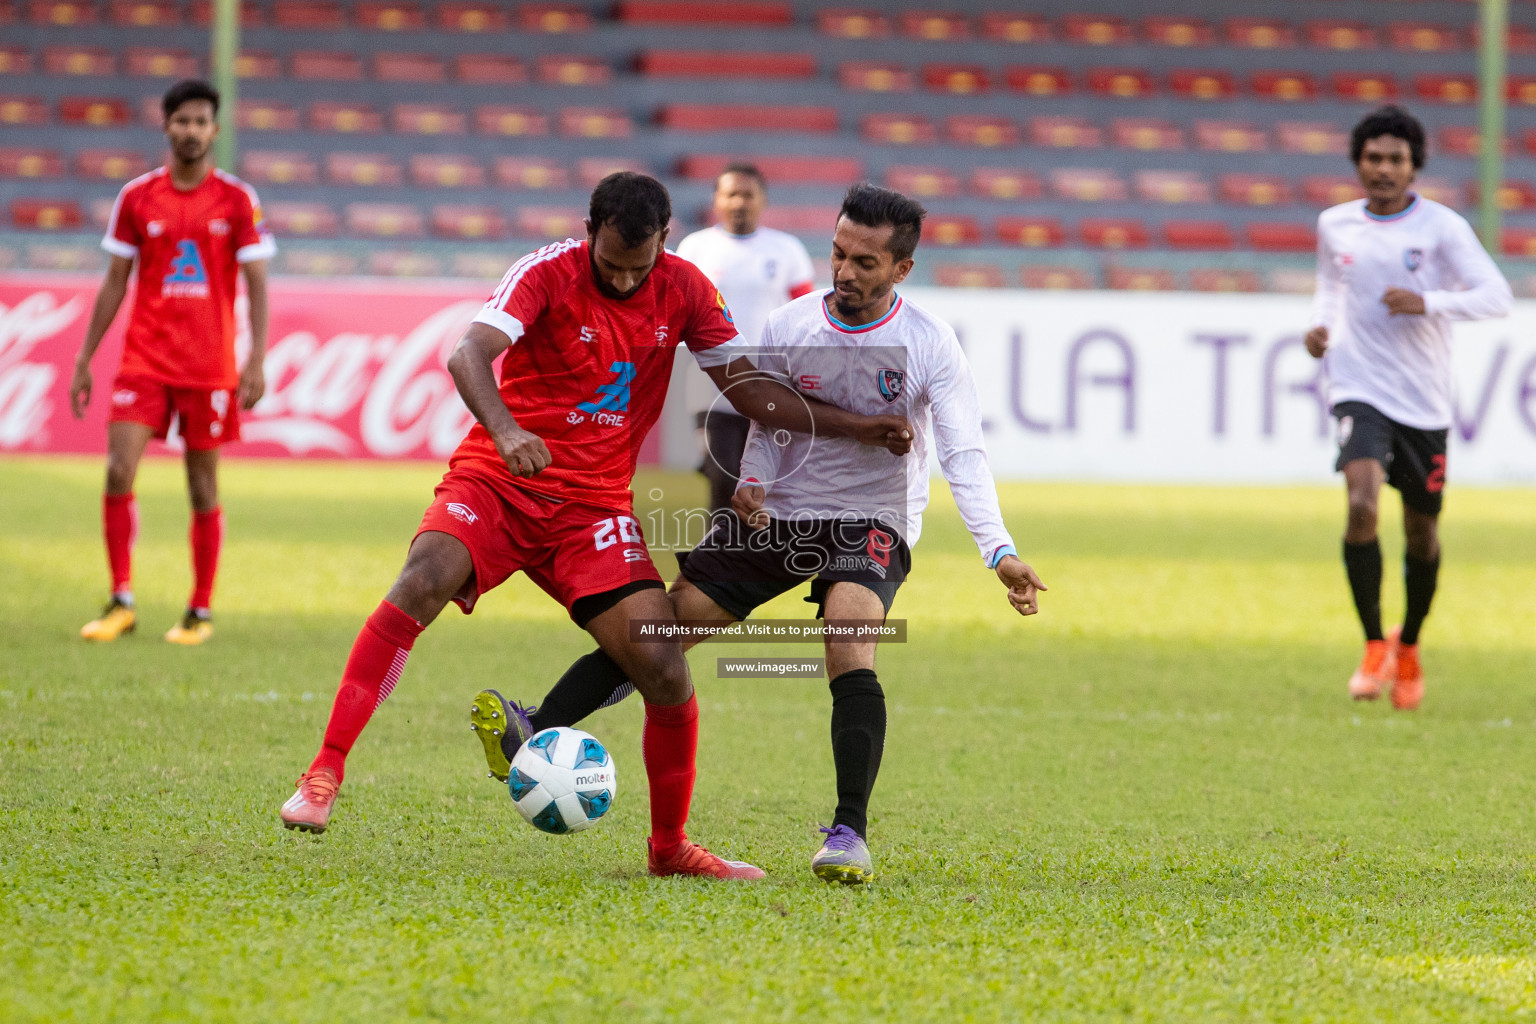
(849,313)
(190,151)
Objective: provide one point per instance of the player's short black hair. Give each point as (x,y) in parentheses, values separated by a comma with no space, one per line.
(635,205)
(876,207)
(186,90)
(1389,120)
(746,170)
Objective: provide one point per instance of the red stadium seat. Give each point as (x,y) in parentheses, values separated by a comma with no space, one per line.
(110,164)
(1167,31)
(1230,137)
(550,222)
(15,60)
(985,132)
(779,170)
(1463,140)
(251,15)
(703,12)
(1064,133)
(1195,84)
(266,116)
(531,173)
(471,223)
(592,169)
(1147,133)
(1331,34)
(1318,138)
(62,13)
(510,122)
(1171,187)
(326,65)
(554,19)
(1048,277)
(1260,33)
(151,112)
(1139,279)
(30,162)
(1121,83)
(1423,37)
(1096,30)
(472,17)
(969,275)
(385,220)
(81,61)
(300,219)
(429,119)
(1031,232)
(47,214)
(872,76)
(1113,233)
(1282,237)
(1254,189)
(1197,234)
(923,182)
(1222,279)
(257,64)
(1039,81)
(95,111)
(408,67)
(489,69)
(1519,242)
(390,16)
(1521,89)
(1445,88)
(278,167)
(145,14)
(898,130)
(442,170)
(1521,38)
(157,62)
(842,23)
(1514,196)
(723,64)
(366,169)
(565,69)
(1088,185)
(960,79)
(934,25)
(346,118)
(1004,183)
(741,117)
(1330,189)
(1015,28)
(409,262)
(1363,87)
(595,123)
(1286,86)
(949,229)
(308,15)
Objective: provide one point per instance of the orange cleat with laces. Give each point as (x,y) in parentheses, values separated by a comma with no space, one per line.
(692,859)
(1376,670)
(309,809)
(1408,677)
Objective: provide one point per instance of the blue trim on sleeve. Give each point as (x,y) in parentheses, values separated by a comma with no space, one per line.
(1000,554)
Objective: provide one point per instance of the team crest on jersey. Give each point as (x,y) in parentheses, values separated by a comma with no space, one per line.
(725,310)
(1413,259)
(891,383)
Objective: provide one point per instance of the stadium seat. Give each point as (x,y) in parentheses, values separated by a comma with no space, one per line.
(530,173)
(251,15)
(1096,30)
(1113,233)
(1315,137)
(1259,33)
(308,15)
(817,219)
(79,61)
(384,220)
(1230,137)
(442,170)
(898,130)
(566,69)
(741,117)
(1332,34)
(1121,83)
(703,12)
(326,65)
(1064,133)
(487,266)
(1166,31)
(550,222)
(345,118)
(1281,237)
(300,219)
(317,262)
(959,79)
(99,211)
(366,169)
(934,26)
(110,164)
(1514,196)
(408,67)
(145,13)
(1462,140)
(592,169)
(258,64)
(62,13)
(1030,232)
(95,111)
(390,16)
(1202,84)
(724,64)
(1330,189)
(950,229)
(428,119)
(1423,37)
(1197,234)
(472,17)
(1171,187)
(489,69)
(1014,28)
(30,162)
(1088,185)
(1005,183)
(1139,279)
(842,23)
(1052,278)
(1445,88)
(981,131)
(595,123)
(1286,86)
(410,262)
(1521,89)
(47,214)
(278,167)
(1521,38)
(266,116)
(511,122)
(15,60)
(157,62)
(1222,279)
(922,181)
(468,222)
(1363,87)
(1519,242)
(1038,81)
(1254,189)
(873,76)
(779,170)
(1439,189)
(969,275)
(1146,133)
(554,19)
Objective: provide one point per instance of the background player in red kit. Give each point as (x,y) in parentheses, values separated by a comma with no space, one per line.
(541,484)
(191,228)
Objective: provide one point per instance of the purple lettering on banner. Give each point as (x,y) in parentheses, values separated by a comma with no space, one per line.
(1313,387)
(1125,381)
(1016,386)
(1219,344)
(1528,395)
(1468,428)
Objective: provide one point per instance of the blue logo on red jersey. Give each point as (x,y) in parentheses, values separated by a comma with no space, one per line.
(613,397)
(187,267)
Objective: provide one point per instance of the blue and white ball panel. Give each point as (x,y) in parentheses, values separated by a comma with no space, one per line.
(562,780)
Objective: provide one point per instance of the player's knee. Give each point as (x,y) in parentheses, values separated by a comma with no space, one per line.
(661,674)
(120,473)
(1362,513)
(1421,540)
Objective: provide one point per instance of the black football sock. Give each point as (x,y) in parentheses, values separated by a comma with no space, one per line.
(1420,579)
(594,681)
(858,740)
(1363,563)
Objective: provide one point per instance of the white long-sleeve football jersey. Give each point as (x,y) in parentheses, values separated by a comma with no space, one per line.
(1400,365)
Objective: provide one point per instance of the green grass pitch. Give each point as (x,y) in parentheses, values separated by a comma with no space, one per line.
(1151,802)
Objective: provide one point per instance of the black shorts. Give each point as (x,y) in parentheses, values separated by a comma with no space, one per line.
(741,568)
(1414,459)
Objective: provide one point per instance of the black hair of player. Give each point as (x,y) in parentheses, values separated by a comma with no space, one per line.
(876,207)
(185,91)
(745,170)
(635,205)
(1389,120)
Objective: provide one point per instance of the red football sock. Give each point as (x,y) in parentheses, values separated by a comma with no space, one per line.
(206,536)
(378,658)
(120,528)
(670,742)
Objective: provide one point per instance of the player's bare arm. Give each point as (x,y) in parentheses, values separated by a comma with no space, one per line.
(253,381)
(1402,302)
(1023,585)
(774,405)
(470,364)
(1317,342)
(113,287)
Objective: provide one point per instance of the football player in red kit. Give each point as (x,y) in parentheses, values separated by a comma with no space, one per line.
(192,229)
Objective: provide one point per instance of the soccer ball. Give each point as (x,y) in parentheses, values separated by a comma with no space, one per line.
(562,780)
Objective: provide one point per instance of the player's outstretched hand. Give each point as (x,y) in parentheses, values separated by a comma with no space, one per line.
(748,503)
(893,433)
(524,453)
(253,384)
(1402,302)
(1317,342)
(1023,585)
(80,390)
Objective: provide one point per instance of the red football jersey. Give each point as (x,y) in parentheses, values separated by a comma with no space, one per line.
(588,373)
(189,245)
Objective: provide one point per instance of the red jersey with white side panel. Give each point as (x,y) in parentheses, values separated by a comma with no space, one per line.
(588,373)
(189,246)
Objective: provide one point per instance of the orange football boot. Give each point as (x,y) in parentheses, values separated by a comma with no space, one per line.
(1408,677)
(692,859)
(1375,671)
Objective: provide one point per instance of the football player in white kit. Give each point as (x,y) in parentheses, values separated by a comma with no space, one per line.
(1394,270)
(757,269)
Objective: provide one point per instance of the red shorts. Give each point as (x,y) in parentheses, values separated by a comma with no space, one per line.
(570,549)
(208,417)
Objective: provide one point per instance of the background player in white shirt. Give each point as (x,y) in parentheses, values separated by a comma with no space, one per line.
(757,269)
(1393,271)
